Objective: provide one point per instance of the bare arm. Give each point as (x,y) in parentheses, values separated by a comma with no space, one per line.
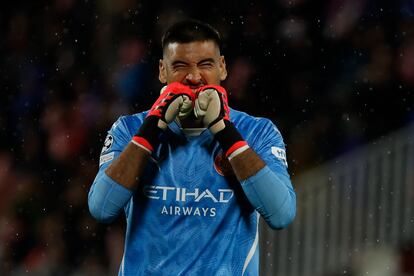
(269,193)
(246,164)
(113,188)
(128,167)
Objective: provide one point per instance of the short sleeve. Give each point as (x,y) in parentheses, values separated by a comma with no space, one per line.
(115,141)
(268,144)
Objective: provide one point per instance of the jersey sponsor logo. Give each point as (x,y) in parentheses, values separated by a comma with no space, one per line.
(176,194)
(106,158)
(280,154)
(188,211)
(109,140)
(167,193)
(222,165)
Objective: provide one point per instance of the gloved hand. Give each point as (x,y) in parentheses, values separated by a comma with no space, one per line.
(175,99)
(212,107)
(184,107)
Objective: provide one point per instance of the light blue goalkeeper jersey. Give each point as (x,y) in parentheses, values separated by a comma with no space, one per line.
(190,215)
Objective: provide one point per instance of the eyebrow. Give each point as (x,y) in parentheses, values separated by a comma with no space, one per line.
(180,62)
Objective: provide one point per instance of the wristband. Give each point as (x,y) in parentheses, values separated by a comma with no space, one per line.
(230,140)
(240,147)
(148,134)
(142,143)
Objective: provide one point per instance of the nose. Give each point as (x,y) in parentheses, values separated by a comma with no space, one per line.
(193,76)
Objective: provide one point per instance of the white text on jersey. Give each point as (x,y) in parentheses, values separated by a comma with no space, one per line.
(182,194)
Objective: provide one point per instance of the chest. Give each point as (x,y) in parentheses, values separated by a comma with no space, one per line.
(190,172)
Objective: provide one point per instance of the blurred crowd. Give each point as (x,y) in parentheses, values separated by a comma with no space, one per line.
(333,75)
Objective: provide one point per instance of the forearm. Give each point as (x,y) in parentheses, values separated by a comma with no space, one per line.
(246,164)
(269,194)
(113,188)
(128,167)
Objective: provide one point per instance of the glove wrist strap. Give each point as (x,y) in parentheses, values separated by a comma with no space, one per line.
(230,140)
(147,136)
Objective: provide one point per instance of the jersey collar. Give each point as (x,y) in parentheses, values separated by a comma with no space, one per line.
(188,132)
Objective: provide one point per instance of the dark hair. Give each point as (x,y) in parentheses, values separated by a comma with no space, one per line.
(190,30)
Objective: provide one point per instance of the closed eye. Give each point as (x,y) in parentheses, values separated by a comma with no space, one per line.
(179,65)
(206,65)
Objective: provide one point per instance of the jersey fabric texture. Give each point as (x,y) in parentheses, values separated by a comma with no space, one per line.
(190,215)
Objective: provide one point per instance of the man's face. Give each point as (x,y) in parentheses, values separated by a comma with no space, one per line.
(194,64)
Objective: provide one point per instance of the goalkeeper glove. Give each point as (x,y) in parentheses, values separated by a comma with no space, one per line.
(175,99)
(211,106)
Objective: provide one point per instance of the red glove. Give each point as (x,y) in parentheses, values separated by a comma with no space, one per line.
(175,99)
(212,106)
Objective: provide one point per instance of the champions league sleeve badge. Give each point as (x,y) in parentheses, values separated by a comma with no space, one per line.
(109,140)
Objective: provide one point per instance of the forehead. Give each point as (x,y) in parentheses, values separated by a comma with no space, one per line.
(192,51)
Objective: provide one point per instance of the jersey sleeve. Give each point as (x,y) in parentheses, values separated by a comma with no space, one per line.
(107,198)
(269,145)
(116,140)
(270,190)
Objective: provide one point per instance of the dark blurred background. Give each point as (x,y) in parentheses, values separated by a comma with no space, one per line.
(333,75)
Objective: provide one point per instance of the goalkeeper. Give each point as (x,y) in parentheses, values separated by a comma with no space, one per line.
(191,174)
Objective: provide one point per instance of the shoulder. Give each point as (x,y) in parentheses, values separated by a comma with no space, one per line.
(259,132)
(251,124)
(128,125)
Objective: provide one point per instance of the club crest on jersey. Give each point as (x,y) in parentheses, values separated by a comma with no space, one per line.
(109,140)
(222,165)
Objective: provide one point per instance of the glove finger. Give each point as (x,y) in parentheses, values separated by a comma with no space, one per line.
(198,111)
(214,107)
(215,103)
(204,99)
(173,109)
(186,107)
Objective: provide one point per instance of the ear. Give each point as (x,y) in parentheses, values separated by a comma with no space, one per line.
(222,69)
(162,74)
